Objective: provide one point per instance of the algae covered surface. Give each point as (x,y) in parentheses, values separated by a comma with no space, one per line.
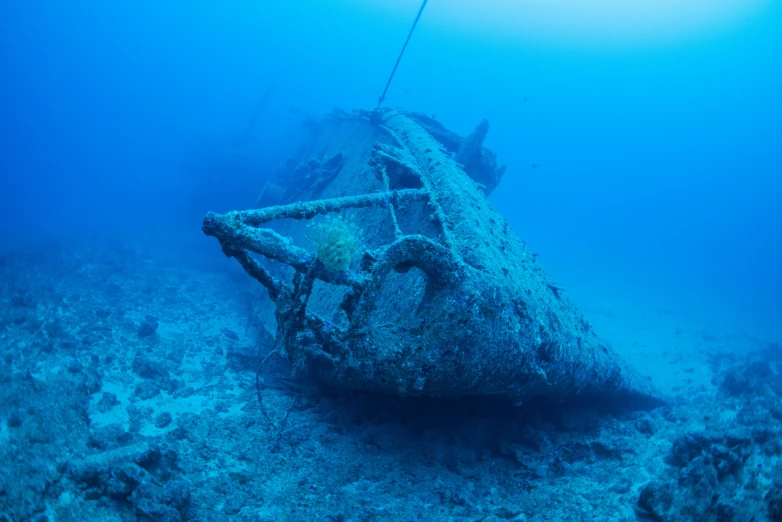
(482,318)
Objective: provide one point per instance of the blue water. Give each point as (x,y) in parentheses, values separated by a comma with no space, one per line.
(643,144)
(659,156)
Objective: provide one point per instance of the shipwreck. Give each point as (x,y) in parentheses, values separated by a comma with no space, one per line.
(390,271)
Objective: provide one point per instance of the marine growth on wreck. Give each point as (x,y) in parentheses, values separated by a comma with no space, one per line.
(443,300)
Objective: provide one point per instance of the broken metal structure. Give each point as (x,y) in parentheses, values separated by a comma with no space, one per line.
(446,300)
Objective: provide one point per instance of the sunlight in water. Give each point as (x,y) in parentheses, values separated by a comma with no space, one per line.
(587,21)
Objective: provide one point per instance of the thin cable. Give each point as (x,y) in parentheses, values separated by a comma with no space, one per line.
(399,58)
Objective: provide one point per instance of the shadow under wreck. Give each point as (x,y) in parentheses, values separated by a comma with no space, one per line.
(440,298)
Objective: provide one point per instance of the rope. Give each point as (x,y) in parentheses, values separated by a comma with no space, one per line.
(399,58)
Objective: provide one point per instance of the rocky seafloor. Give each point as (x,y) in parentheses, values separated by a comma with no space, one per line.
(128,391)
